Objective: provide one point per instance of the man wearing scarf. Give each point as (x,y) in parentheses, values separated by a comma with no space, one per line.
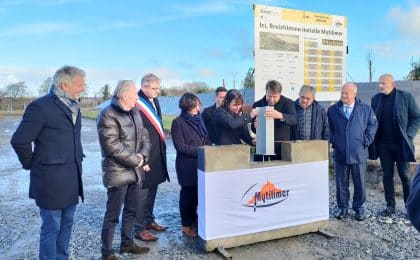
(151,114)
(51,125)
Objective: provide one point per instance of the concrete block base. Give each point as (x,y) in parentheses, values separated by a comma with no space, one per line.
(247,239)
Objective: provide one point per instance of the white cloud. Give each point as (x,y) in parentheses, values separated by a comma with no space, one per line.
(407,21)
(205,73)
(38,28)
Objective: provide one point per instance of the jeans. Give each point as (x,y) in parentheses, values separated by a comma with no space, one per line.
(146,201)
(188,205)
(55,232)
(389,155)
(128,196)
(342,172)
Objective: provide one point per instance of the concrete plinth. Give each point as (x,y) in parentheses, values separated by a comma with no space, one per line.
(210,245)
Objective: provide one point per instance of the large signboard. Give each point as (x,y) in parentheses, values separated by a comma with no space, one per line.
(299,47)
(240,202)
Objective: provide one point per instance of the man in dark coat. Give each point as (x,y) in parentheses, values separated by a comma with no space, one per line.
(125,149)
(312,122)
(352,128)
(151,114)
(399,119)
(209,112)
(52,124)
(284,115)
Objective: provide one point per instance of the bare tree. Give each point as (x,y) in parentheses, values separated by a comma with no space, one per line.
(16,90)
(45,86)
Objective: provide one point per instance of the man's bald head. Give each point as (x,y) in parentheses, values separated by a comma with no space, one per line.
(348,93)
(386,83)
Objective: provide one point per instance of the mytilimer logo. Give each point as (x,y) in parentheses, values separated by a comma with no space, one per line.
(268,195)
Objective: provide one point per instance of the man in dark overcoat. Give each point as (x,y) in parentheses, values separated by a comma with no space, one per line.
(47,142)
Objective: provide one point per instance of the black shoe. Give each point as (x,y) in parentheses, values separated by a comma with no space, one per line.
(388,212)
(134,249)
(341,213)
(360,215)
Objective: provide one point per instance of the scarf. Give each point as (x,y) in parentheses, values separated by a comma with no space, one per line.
(196,122)
(72,104)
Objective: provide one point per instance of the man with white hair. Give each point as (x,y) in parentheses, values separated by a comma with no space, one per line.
(125,150)
(48,144)
(399,119)
(352,129)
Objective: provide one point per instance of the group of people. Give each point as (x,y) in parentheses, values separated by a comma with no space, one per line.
(132,140)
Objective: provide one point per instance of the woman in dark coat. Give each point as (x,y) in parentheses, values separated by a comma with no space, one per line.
(188,133)
(231,123)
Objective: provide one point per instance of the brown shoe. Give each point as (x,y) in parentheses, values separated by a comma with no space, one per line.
(109,257)
(156,227)
(146,236)
(189,232)
(134,249)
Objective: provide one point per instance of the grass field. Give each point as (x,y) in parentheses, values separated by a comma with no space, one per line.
(167,119)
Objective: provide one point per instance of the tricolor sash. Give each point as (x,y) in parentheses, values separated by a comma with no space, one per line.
(152,116)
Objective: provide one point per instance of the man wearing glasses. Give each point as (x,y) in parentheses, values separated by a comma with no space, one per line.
(151,114)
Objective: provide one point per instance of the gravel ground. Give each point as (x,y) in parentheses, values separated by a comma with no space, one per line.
(374,238)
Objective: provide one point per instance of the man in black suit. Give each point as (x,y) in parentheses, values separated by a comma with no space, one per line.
(52,125)
(208,113)
(398,118)
(284,115)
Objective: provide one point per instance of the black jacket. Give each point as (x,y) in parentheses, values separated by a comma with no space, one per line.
(209,122)
(231,128)
(122,136)
(55,163)
(186,141)
(319,122)
(407,116)
(282,128)
(157,160)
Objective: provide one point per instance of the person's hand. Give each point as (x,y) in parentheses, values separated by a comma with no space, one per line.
(256,122)
(273,114)
(141,160)
(146,168)
(254,141)
(254,112)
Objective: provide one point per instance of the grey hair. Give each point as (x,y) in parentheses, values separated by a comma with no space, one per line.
(149,78)
(66,74)
(307,88)
(123,87)
(351,84)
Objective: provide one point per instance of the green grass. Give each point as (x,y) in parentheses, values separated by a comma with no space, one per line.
(167,119)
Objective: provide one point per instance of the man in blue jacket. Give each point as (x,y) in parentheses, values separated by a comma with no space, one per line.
(312,122)
(352,128)
(399,118)
(52,125)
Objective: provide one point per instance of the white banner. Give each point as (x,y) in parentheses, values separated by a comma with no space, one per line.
(299,47)
(232,203)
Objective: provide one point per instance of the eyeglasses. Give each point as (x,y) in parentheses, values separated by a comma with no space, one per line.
(155,89)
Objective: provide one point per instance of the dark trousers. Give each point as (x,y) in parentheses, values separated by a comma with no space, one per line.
(117,197)
(146,203)
(342,172)
(188,201)
(389,155)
